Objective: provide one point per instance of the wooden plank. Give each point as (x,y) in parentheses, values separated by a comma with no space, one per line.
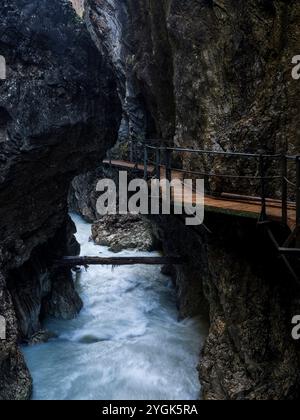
(115,261)
(283,256)
(249,198)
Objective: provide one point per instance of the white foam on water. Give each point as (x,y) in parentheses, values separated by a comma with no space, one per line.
(127,342)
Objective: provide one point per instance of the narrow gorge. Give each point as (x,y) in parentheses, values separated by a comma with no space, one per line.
(92,81)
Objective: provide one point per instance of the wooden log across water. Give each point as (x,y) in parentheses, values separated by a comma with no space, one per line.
(116,261)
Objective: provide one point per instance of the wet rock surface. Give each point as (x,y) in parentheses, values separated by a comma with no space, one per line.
(15,380)
(83,194)
(59,113)
(123,232)
(41,337)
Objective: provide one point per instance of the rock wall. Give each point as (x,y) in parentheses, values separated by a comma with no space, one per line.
(108,23)
(249,353)
(59,114)
(224,69)
(209,74)
(233,276)
(83,195)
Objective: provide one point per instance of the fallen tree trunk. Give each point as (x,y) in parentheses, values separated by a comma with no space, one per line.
(115,261)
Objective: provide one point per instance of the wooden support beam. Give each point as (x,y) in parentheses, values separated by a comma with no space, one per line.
(168,157)
(157,158)
(284,194)
(283,256)
(298,198)
(115,261)
(292,237)
(290,251)
(263,215)
(145,162)
(298,191)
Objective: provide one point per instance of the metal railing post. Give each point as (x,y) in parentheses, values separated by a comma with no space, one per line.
(168,165)
(131,151)
(263,188)
(284,197)
(145,162)
(157,162)
(109,158)
(298,191)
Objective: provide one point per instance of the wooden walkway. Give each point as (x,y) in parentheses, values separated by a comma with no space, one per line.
(243,207)
(262,209)
(230,204)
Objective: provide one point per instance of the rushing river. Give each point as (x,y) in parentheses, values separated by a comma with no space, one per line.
(126,343)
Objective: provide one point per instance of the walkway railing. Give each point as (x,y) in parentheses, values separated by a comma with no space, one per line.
(285,174)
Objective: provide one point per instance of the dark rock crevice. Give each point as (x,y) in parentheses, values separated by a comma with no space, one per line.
(38,289)
(15,381)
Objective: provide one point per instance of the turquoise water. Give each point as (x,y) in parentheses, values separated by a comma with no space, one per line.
(126,343)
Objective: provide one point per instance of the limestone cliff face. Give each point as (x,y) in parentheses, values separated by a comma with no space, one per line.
(219,72)
(217,75)
(108,23)
(59,112)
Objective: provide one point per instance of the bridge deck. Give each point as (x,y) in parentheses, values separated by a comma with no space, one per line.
(242,206)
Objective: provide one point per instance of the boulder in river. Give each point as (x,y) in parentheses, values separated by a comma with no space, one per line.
(120,232)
